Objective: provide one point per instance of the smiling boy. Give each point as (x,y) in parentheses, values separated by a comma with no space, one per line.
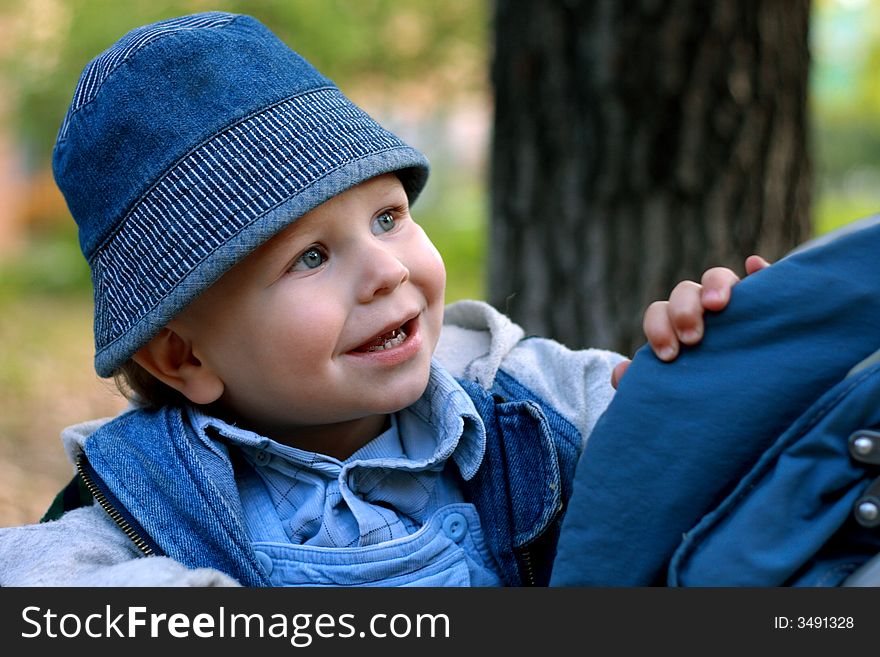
(300,416)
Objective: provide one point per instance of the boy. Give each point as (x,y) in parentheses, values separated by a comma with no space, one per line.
(262,288)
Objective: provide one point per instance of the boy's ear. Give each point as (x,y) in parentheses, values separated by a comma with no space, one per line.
(170,358)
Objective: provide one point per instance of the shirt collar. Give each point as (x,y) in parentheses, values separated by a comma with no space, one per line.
(442,423)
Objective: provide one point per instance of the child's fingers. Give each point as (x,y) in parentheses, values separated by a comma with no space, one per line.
(618,372)
(755,263)
(716,284)
(686,312)
(659,331)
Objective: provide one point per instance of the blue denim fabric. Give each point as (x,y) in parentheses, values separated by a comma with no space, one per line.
(189,143)
(448,550)
(180,491)
(380,493)
(525,484)
(739,446)
(381,517)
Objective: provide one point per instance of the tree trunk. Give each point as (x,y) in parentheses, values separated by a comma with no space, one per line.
(635,145)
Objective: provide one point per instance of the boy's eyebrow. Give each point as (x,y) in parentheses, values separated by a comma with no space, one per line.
(284,237)
(391,195)
(397,197)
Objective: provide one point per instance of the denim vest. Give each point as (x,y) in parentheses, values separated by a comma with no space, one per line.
(175,495)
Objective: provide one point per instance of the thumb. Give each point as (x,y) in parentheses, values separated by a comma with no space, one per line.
(618,372)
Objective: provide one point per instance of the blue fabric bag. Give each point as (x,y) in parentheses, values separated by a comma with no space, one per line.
(753,459)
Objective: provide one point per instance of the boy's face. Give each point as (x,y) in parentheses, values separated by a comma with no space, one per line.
(332,321)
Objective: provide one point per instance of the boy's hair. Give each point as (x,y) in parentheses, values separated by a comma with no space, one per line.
(142,388)
(188,144)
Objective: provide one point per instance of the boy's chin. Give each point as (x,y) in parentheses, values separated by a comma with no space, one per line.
(405,397)
(403,401)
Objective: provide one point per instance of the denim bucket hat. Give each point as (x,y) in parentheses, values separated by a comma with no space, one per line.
(189,143)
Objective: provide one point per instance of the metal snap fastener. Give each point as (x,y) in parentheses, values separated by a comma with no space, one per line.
(868,511)
(863,445)
(455,526)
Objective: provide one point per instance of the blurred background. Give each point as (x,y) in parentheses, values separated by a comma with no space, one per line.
(421,67)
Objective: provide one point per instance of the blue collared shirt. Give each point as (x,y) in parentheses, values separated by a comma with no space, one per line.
(391,513)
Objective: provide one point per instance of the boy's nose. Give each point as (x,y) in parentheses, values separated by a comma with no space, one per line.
(381,272)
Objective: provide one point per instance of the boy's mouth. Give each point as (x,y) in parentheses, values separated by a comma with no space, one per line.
(384,341)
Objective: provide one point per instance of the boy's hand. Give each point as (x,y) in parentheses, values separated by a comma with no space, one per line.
(669,324)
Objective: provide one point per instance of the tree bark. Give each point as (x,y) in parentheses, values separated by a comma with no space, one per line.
(635,145)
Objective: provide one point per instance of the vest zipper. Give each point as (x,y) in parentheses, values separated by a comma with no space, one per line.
(527,569)
(536,551)
(115,515)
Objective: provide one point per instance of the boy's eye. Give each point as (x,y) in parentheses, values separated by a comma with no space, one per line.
(311,258)
(383,223)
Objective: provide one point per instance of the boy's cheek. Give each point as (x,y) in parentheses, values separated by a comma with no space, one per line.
(432,270)
(427,245)
(439,295)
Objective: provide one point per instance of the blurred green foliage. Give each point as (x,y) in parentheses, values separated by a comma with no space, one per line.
(52,265)
(845,108)
(354,42)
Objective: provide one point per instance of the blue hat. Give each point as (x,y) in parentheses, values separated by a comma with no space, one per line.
(189,143)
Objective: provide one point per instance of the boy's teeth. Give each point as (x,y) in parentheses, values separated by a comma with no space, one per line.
(387,340)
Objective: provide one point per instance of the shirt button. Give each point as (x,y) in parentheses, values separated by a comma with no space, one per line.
(455,526)
(265,562)
(262,457)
